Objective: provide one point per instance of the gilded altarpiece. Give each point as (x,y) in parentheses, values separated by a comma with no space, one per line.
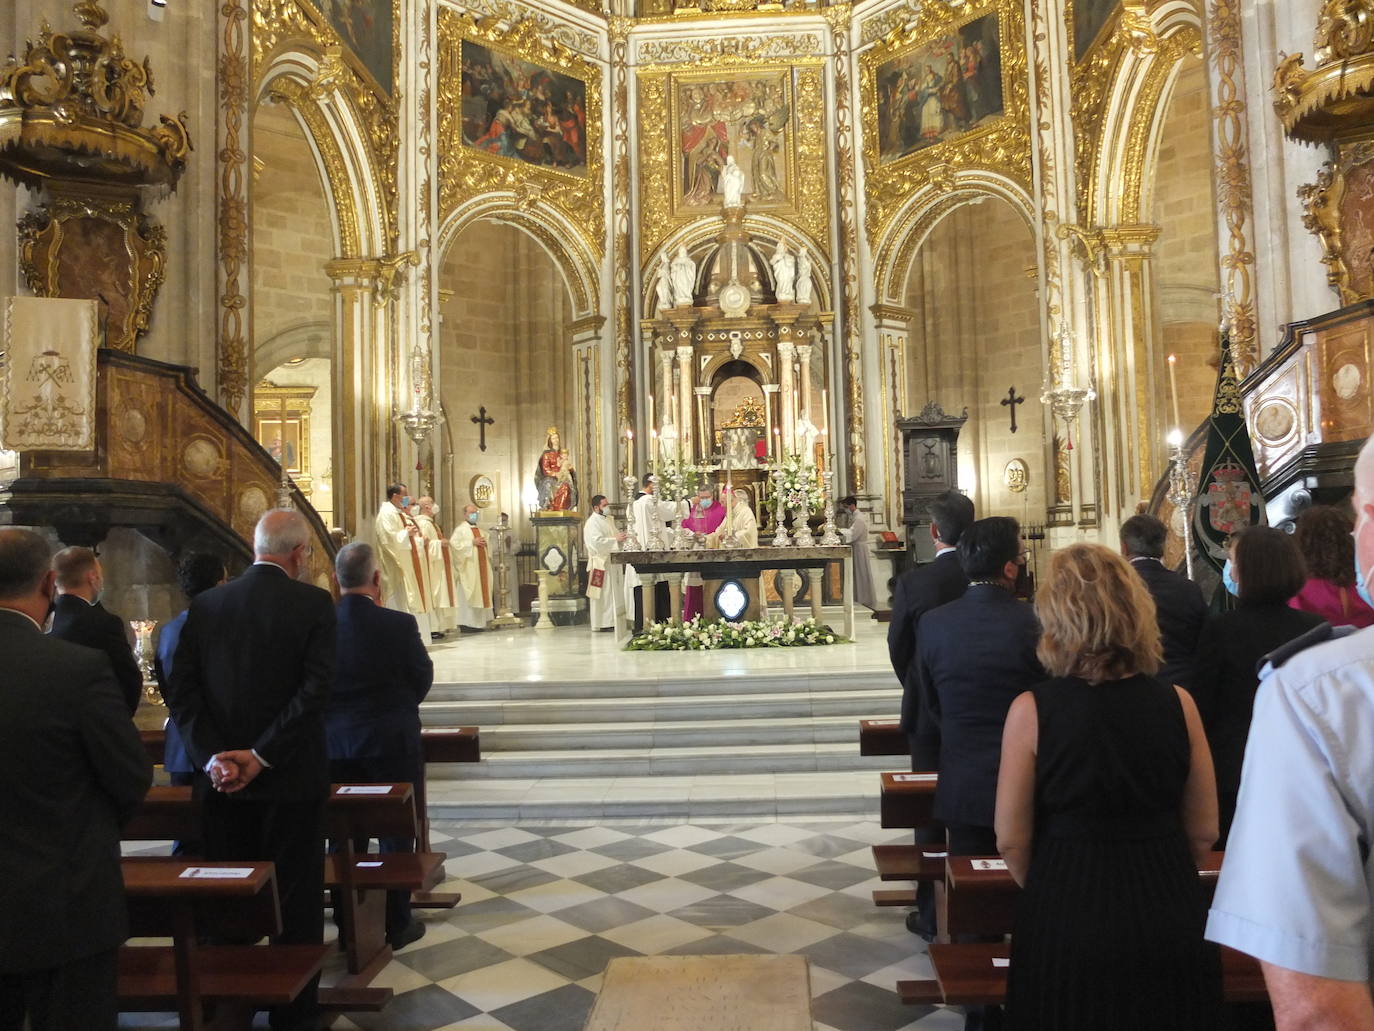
(470,164)
(709,101)
(931,105)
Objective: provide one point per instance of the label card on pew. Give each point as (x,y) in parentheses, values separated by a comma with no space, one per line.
(1001,961)
(988,864)
(375,863)
(364,789)
(936,855)
(226,872)
(883,723)
(907,778)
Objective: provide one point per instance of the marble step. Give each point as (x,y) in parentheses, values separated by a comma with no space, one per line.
(732,683)
(794,704)
(665,762)
(786,796)
(675,733)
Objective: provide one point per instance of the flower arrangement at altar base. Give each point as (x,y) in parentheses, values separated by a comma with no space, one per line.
(800,484)
(699,635)
(677,481)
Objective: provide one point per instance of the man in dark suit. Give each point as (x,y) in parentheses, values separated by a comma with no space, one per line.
(975,655)
(1179,607)
(249,683)
(372,724)
(73,771)
(197,573)
(79,617)
(917,592)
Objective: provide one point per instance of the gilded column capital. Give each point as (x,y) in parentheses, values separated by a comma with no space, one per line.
(891,316)
(1130,240)
(353,271)
(588,325)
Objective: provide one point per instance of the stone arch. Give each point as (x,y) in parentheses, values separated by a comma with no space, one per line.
(304,340)
(333,127)
(924,210)
(1121,187)
(555,234)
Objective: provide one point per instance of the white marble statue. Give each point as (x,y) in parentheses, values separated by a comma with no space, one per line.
(803,276)
(732,183)
(665,284)
(684,276)
(784,273)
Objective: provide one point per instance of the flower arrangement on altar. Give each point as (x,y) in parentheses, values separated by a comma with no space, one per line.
(698,635)
(800,484)
(677,481)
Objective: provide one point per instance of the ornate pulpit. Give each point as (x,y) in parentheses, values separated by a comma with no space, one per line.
(930,445)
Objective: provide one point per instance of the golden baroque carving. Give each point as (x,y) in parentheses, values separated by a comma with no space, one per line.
(1232,177)
(46,261)
(847,203)
(807,182)
(1003,145)
(885,24)
(1335,101)
(727,50)
(465,172)
(622,253)
(1346,249)
(1345,29)
(232,220)
(552,29)
(277,24)
(1044,142)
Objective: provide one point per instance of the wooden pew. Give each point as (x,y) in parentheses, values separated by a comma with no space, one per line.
(907,799)
(380,810)
(980,894)
(238,979)
(882,737)
(976,975)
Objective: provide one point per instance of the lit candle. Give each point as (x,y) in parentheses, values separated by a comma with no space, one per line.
(825,410)
(1173,389)
(777,443)
(824,445)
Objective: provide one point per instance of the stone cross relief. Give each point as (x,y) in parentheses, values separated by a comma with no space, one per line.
(1011,401)
(483,420)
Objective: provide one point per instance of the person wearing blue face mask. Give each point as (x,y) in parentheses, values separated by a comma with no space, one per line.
(1263,571)
(1297,888)
(404,559)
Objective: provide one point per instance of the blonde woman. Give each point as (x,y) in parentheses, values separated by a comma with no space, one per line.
(1106,800)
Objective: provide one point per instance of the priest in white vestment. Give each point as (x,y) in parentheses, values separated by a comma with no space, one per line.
(647,513)
(600,537)
(739,516)
(443,594)
(472,571)
(856,535)
(405,565)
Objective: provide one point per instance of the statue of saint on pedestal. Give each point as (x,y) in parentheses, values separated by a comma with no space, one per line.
(665,284)
(684,276)
(784,272)
(803,276)
(732,183)
(555,480)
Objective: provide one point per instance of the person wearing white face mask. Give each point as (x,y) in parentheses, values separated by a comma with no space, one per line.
(471,571)
(1297,888)
(405,562)
(79,617)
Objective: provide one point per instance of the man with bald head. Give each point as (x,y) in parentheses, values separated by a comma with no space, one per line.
(1297,889)
(73,770)
(250,679)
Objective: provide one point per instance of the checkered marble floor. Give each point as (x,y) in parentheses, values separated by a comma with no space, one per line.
(546,907)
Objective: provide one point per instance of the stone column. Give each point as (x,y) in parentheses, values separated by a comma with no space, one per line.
(686,394)
(360,423)
(787,353)
(591,459)
(663,407)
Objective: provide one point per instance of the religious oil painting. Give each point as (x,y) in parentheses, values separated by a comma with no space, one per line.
(365,28)
(282,439)
(522,111)
(1090,17)
(745,117)
(944,88)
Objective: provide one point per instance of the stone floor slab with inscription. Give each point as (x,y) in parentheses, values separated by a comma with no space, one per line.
(704,993)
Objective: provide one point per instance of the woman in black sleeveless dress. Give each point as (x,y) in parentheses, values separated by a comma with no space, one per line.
(1105,802)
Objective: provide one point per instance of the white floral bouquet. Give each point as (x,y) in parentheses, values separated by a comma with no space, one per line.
(677,481)
(699,635)
(800,484)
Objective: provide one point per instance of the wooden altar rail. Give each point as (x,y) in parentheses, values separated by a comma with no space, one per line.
(168,462)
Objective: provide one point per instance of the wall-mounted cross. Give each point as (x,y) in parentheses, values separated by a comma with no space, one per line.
(483,421)
(1011,401)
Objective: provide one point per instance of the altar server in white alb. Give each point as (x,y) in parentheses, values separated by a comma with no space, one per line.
(472,571)
(648,513)
(405,564)
(601,538)
(856,534)
(443,593)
